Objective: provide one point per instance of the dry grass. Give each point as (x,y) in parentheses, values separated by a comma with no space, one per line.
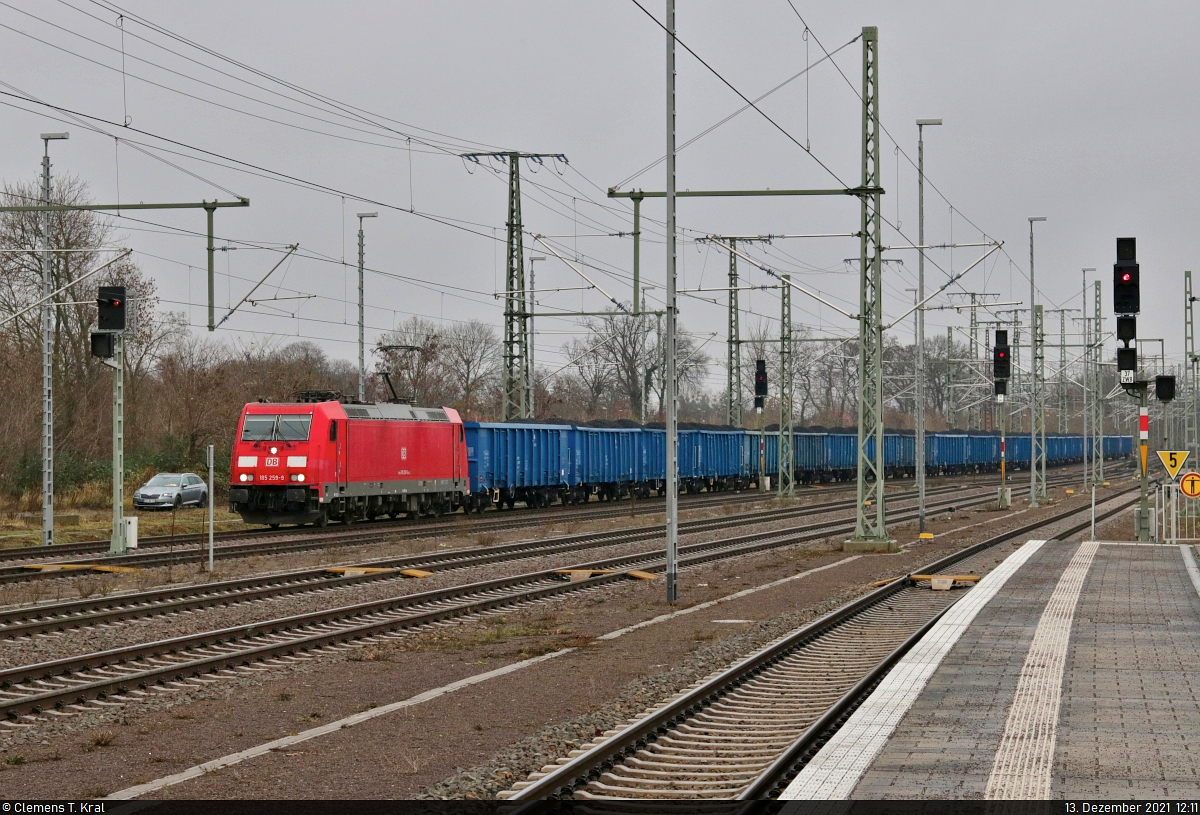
(102,738)
(96,521)
(411,761)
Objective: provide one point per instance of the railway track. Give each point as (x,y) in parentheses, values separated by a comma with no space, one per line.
(79,683)
(454,524)
(32,570)
(269,540)
(63,616)
(745,732)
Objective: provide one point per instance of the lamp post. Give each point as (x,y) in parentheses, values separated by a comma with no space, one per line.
(47,352)
(532,368)
(919,420)
(362,364)
(1035,397)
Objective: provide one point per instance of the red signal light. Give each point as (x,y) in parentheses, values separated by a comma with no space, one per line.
(1125,277)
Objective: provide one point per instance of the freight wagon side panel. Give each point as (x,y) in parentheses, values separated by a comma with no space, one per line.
(842,451)
(652,455)
(808,453)
(1018,450)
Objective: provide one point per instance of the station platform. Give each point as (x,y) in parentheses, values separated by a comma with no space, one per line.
(1070,671)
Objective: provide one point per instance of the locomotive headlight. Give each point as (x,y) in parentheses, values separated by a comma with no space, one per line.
(300,477)
(243,477)
(274,450)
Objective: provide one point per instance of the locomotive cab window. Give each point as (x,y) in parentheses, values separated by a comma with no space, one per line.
(275,427)
(258,428)
(333,430)
(293,427)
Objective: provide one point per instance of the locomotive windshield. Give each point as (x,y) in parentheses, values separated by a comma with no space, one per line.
(276,427)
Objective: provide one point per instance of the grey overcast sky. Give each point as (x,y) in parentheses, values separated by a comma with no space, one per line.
(1084,112)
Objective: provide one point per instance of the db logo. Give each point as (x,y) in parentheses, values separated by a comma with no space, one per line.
(272,462)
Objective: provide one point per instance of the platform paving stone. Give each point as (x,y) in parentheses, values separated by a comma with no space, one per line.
(945,745)
(1129,722)
(1128,726)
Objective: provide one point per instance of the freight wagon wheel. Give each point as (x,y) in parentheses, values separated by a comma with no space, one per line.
(322,520)
(273,526)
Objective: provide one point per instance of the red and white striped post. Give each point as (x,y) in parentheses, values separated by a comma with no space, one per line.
(1143,517)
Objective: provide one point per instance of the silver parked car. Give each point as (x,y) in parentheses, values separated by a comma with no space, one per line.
(171,490)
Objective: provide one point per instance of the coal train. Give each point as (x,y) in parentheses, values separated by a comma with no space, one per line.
(321,461)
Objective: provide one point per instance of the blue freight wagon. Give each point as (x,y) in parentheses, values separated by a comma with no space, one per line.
(841,456)
(725,464)
(983,452)
(1017,451)
(652,458)
(691,461)
(808,456)
(606,462)
(899,454)
(507,463)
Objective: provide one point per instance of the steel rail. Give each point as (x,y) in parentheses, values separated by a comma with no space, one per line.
(597,511)
(595,761)
(76,680)
(20,572)
(56,617)
(514,519)
(781,772)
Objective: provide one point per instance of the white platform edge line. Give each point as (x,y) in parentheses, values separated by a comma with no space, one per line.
(836,770)
(1189,560)
(1025,756)
(358,718)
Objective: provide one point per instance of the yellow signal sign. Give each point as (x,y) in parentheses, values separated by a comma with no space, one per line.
(1173,460)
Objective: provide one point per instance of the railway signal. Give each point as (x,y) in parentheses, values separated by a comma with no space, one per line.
(102,345)
(1126,274)
(760,384)
(1001,371)
(1001,359)
(111,305)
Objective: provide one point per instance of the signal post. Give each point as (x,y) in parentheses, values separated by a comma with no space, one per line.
(1001,371)
(1127,304)
(108,343)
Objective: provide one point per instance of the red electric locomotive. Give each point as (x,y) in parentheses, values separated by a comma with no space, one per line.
(315,462)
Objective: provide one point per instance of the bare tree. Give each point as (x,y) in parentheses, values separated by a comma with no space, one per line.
(626,344)
(419,374)
(691,366)
(590,369)
(471,357)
